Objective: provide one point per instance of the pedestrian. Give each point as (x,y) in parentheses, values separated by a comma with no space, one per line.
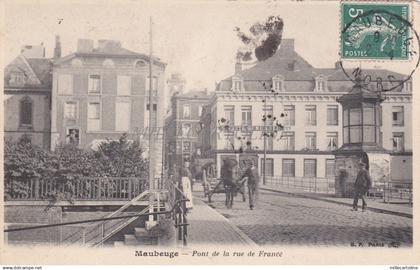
(253,181)
(185,178)
(226,175)
(361,186)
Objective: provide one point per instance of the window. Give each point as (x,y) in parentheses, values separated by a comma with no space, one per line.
(397,115)
(108,63)
(309,167)
(154,86)
(140,64)
(17,78)
(407,86)
(288,167)
(70,110)
(122,116)
(94,116)
(237,85)
(278,83)
(288,141)
(320,84)
(310,139)
(332,115)
(73,136)
(398,141)
(186,147)
(186,130)
(65,84)
(332,140)
(269,166)
(230,114)
(123,85)
(330,168)
(94,84)
(229,141)
(246,115)
(355,125)
(200,110)
(26,112)
(268,112)
(186,111)
(310,115)
(289,115)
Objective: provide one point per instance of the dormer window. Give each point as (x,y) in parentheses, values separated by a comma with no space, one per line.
(407,86)
(108,63)
(320,84)
(77,63)
(17,78)
(237,83)
(278,83)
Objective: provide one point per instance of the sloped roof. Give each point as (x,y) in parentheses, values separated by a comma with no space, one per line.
(288,63)
(42,68)
(37,72)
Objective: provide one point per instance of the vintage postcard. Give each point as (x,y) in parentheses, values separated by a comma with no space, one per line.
(210,132)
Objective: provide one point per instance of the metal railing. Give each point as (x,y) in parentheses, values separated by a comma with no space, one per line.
(394,191)
(177,201)
(86,188)
(304,184)
(94,232)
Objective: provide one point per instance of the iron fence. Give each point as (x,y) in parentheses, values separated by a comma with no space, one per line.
(86,188)
(304,184)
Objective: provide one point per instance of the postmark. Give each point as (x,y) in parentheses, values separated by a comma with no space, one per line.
(375,31)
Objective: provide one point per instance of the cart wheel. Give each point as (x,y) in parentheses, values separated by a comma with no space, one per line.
(209,198)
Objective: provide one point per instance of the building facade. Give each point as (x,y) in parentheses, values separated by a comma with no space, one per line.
(27,96)
(101,93)
(296,105)
(183,127)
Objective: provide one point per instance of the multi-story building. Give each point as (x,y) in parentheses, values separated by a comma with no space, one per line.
(299,101)
(101,93)
(176,85)
(27,96)
(183,127)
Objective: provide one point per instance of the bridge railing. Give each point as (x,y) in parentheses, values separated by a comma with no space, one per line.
(85,188)
(304,184)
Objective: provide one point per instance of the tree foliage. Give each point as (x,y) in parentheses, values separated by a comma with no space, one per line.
(68,164)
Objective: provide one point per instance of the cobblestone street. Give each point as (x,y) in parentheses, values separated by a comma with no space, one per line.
(285,219)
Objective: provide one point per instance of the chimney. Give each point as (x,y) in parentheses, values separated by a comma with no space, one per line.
(30,51)
(57,49)
(109,46)
(84,45)
(238,67)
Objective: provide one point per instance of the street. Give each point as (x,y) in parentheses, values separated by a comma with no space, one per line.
(285,219)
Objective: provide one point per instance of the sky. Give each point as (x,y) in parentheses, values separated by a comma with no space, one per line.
(195,38)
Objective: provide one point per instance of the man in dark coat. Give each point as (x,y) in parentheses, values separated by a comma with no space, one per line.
(226,174)
(253,180)
(361,186)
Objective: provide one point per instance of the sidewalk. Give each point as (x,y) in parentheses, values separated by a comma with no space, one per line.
(208,227)
(377,205)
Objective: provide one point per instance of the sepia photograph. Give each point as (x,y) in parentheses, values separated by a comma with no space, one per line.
(209,132)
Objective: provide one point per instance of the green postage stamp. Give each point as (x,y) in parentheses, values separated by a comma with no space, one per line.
(375,31)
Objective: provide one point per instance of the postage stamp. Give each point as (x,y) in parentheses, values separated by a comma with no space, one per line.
(375,31)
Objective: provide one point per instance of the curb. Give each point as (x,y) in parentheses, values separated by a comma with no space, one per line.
(241,234)
(373,209)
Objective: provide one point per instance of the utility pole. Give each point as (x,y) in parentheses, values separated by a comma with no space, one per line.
(151,163)
(265,138)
